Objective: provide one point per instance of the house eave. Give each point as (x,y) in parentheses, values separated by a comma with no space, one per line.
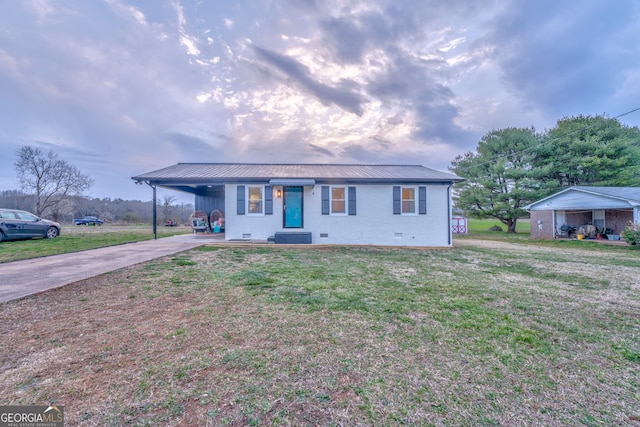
(616,200)
(193,183)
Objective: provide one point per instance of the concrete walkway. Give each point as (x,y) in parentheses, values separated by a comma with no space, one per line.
(21,278)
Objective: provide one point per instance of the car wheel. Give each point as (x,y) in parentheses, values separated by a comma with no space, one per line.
(52,233)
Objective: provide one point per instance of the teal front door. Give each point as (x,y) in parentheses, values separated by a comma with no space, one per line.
(293,207)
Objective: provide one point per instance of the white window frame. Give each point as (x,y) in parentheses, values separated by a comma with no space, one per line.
(248,200)
(415,200)
(345,200)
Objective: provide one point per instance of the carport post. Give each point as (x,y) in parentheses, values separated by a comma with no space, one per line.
(155,212)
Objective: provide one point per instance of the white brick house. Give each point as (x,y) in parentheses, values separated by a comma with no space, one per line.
(403,205)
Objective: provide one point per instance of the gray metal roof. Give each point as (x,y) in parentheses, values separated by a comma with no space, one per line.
(192,173)
(629,196)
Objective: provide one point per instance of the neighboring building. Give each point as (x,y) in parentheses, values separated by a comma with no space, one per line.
(325,204)
(459,225)
(609,208)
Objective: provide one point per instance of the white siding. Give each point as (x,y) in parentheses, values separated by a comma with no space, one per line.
(374,223)
(253,227)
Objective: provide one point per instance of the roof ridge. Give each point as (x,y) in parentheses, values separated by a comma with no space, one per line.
(298,164)
(600,186)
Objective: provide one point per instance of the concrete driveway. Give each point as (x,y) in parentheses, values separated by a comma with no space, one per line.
(21,278)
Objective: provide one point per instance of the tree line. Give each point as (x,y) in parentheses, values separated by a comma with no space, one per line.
(51,187)
(514,167)
(109,210)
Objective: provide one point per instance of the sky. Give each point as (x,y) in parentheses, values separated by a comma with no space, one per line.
(118,88)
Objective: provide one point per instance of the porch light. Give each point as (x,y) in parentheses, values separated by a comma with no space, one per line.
(279,193)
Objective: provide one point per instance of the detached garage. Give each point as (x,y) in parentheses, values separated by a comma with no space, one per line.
(608,209)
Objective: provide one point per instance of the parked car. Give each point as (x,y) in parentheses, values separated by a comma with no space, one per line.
(15,224)
(88,220)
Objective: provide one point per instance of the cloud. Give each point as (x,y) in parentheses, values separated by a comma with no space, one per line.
(191,148)
(44,10)
(133,86)
(421,86)
(322,150)
(344,95)
(560,57)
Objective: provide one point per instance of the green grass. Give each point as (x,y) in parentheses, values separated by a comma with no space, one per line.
(482,226)
(77,238)
(475,335)
(478,229)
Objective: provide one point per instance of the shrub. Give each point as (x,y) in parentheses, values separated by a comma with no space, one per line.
(495,228)
(631,234)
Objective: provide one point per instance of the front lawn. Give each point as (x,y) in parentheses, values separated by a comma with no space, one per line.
(487,333)
(74,238)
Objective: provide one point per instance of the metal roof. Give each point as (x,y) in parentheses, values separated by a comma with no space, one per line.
(629,196)
(202,173)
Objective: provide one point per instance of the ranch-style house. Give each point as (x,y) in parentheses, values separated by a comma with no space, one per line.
(396,205)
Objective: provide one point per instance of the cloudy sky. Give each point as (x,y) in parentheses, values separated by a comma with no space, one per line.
(122,87)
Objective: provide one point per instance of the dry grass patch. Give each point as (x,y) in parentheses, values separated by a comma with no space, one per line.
(477,335)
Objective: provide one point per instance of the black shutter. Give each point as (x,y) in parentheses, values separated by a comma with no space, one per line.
(422,200)
(241,199)
(397,209)
(268,200)
(352,200)
(325,200)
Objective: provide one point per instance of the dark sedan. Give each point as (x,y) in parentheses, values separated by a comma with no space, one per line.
(15,224)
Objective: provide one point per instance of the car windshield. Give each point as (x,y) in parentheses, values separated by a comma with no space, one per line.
(26,216)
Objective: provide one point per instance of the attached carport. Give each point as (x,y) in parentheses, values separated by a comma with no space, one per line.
(208,191)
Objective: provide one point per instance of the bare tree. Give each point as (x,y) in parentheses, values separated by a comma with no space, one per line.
(48,177)
(167,208)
